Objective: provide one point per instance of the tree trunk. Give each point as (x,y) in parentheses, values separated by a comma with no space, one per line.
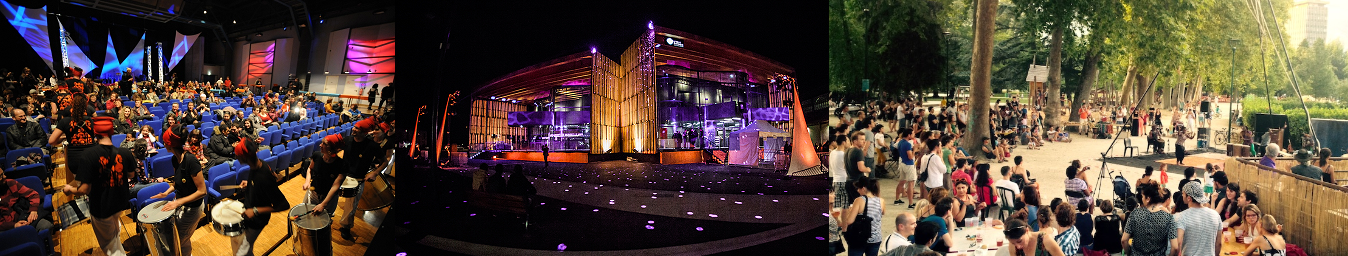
(1087,86)
(1198,89)
(980,76)
(1126,91)
(1051,96)
(1138,92)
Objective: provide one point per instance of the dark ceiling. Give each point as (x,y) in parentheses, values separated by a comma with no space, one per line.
(243,17)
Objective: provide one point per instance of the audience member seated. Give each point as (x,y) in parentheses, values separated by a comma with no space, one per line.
(25,133)
(1245,199)
(221,145)
(194,146)
(924,235)
(519,184)
(140,178)
(1249,221)
(1269,241)
(20,206)
(1107,230)
(1084,225)
(1080,190)
(496,183)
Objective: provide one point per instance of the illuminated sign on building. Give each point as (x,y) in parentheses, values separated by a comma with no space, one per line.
(673,42)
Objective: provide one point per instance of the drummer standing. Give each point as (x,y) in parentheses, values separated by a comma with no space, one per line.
(102,177)
(325,176)
(361,153)
(187,179)
(261,197)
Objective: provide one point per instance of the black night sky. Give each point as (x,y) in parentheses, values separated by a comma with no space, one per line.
(489,39)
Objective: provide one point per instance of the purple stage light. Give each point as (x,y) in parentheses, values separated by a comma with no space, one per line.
(699,228)
(561,247)
(401,254)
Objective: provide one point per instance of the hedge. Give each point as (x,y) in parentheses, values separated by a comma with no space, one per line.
(1296,118)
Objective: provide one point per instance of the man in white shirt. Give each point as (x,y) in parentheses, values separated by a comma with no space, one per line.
(837,166)
(1005,182)
(903,227)
(1199,226)
(933,165)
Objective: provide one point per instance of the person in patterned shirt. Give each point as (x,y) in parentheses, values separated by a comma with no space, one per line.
(102,176)
(77,130)
(1150,227)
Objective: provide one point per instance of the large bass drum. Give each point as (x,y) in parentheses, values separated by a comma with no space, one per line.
(315,231)
(160,234)
(378,193)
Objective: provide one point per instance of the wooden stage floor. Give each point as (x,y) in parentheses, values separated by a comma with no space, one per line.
(79,239)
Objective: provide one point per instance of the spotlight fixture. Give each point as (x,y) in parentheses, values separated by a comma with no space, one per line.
(320,21)
(236,22)
(593,50)
(203,12)
(259,33)
(285,28)
(650,24)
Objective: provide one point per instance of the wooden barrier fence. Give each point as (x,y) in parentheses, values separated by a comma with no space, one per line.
(1314,214)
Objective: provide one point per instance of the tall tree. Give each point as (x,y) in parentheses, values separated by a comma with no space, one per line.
(980,82)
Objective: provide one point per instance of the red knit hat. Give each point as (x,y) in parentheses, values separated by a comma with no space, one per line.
(386,127)
(334,141)
(366,124)
(244,148)
(103,125)
(172,139)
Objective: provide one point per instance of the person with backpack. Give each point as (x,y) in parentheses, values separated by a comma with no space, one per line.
(861,222)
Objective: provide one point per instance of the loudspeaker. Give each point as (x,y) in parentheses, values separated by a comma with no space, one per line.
(1263,122)
(1205,107)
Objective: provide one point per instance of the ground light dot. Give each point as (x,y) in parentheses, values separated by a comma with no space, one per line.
(820,238)
(699,228)
(690,213)
(758,217)
(401,254)
(712,215)
(561,247)
(650,222)
(472,214)
(596,210)
(563,208)
(650,227)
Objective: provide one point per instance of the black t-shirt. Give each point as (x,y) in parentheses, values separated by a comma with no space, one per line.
(80,134)
(105,170)
(379,150)
(182,176)
(361,155)
(262,191)
(325,173)
(854,155)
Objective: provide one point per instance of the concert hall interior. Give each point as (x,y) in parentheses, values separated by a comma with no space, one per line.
(246,86)
(655,130)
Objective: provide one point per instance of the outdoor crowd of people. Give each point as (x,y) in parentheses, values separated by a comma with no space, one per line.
(958,186)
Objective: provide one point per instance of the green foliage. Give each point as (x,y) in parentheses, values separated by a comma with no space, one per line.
(896,44)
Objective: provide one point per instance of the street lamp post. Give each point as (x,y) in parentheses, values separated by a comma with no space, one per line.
(1231,98)
(950,90)
(865,54)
